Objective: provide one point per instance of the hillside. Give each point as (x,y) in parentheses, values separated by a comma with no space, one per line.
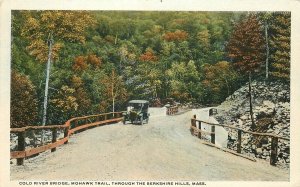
(271,101)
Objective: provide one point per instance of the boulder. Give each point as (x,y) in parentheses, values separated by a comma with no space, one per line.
(259,151)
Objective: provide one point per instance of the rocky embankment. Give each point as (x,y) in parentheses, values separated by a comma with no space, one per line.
(34,140)
(271,101)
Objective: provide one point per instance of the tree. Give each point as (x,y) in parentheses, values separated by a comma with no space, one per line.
(47,30)
(64,103)
(94,60)
(114,89)
(23,102)
(204,39)
(144,48)
(80,64)
(147,77)
(82,98)
(219,81)
(185,81)
(280,45)
(148,56)
(246,48)
(266,19)
(178,35)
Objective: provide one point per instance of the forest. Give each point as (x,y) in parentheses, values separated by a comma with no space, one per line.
(98,60)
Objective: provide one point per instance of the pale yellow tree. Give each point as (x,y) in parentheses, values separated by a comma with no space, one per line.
(114,89)
(47,31)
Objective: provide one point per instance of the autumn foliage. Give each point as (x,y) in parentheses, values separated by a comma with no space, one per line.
(220,80)
(81,95)
(246,46)
(62,25)
(193,57)
(23,103)
(65,101)
(81,63)
(114,91)
(94,60)
(178,35)
(148,56)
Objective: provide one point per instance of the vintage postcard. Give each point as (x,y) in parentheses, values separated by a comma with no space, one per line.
(149,93)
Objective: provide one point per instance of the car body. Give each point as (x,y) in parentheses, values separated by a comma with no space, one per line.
(137,112)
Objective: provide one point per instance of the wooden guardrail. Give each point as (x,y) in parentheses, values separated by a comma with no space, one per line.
(172,110)
(274,143)
(71,126)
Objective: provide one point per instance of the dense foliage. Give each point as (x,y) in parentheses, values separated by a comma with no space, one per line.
(102,59)
(24,101)
(280,29)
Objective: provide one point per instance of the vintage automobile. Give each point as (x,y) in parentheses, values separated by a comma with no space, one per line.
(137,112)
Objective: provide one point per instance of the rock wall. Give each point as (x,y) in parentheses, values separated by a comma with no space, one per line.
(271,100)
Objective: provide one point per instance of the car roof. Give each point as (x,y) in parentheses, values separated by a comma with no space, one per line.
(138,101)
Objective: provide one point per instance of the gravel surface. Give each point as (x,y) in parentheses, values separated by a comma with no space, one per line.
(163,149)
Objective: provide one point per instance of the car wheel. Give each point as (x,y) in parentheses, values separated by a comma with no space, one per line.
(142,121)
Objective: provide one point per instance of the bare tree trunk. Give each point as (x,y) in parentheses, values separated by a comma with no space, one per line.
(267,51)
(112,92)
(227,86)
(116,39)
(50,43)
(253,126)
(113,107)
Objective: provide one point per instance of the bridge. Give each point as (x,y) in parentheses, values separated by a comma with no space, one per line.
(163,149)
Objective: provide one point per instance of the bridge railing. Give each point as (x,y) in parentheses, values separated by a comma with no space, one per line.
(73,125)
(172,110)
(199,132)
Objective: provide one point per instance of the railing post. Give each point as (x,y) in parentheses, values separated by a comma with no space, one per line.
(66,132)
(199,134)
(193,124)
(213,135)
(105,118)
(239,143)
(54,137)
(21,146)
(274,149)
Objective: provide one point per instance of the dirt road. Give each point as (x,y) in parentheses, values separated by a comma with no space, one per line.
(160,150)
